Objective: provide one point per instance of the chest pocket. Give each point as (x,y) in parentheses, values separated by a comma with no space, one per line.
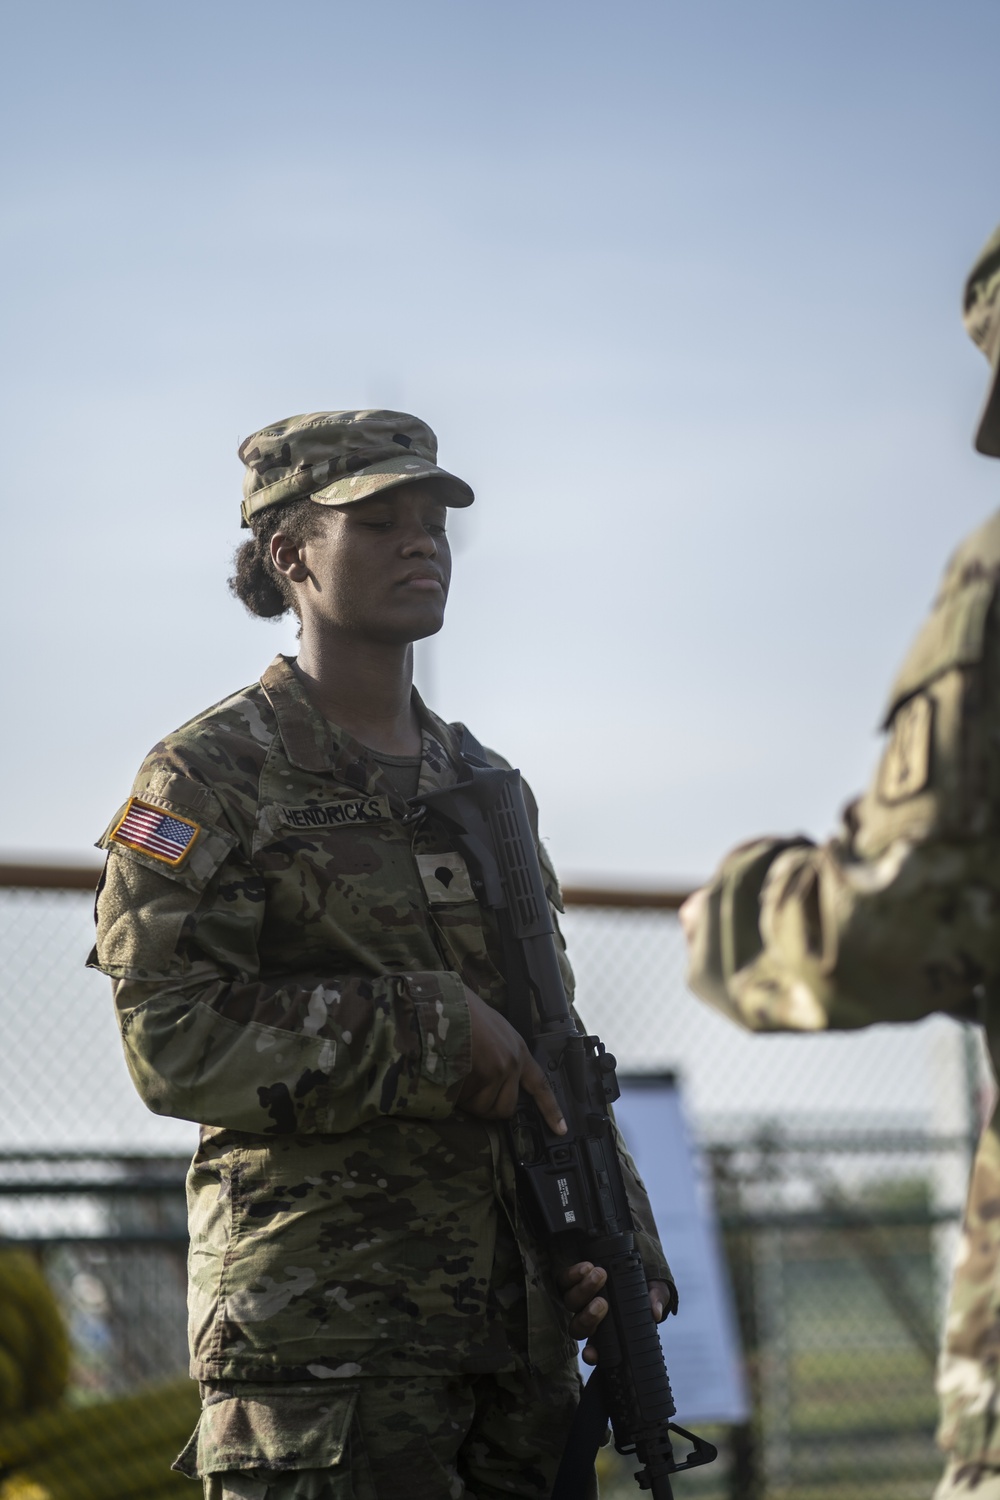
(341,892)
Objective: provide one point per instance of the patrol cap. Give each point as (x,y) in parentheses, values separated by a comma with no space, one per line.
(335,457)
(982,319)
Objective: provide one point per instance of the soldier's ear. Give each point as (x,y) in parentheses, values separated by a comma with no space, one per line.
(286,555)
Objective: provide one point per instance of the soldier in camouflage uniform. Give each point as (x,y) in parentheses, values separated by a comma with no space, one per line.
(300,964)
(899,915)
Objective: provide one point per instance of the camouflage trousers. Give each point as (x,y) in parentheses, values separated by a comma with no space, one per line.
(964,1481)
(465,1437)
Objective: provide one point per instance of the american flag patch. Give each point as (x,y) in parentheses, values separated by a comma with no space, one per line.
(150,830)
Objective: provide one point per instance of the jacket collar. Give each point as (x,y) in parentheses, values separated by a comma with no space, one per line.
(312,743)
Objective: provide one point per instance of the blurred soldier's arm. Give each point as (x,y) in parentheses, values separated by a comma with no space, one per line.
(899,914)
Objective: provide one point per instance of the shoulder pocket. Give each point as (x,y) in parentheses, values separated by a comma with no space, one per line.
(271,1428)
(173,826)
(952,636)
(927,784)
(155,875)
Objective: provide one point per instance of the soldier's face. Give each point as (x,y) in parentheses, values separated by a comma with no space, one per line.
(378,569)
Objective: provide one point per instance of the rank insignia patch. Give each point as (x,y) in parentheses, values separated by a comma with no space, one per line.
(445,878)
(152,831)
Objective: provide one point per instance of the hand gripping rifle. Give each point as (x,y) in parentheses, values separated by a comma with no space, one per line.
(573,1184)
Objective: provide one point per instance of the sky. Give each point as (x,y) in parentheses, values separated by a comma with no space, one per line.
(677,285)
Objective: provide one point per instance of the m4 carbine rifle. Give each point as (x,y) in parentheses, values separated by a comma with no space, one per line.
(573,1184)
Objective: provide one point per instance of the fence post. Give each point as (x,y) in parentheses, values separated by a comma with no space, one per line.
(745,1476)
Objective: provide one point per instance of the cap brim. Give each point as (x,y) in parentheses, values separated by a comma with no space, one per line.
(988,435)
(406,469)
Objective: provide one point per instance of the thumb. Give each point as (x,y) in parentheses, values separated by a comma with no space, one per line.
(692,911)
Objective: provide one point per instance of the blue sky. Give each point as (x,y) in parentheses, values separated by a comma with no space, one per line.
(678,287)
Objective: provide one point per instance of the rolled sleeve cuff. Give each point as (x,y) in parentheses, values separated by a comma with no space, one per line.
(654,1262)
(728,937)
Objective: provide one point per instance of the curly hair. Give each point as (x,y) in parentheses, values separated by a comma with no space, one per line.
(256,582)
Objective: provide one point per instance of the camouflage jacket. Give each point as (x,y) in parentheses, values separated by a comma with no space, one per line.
(897,917)
(290,975)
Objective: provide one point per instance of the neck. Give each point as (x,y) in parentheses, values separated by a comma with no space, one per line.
(364,687)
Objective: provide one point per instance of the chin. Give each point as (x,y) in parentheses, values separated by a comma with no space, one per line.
(404,633)
(419,627)
(427,630)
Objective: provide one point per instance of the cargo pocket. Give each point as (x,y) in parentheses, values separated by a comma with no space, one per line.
(267,1430)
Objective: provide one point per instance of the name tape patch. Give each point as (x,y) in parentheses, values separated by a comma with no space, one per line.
(353,810)
(150,830)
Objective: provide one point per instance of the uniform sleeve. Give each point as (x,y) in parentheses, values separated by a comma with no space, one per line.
(647,1236)
(207,1038)
(899,915)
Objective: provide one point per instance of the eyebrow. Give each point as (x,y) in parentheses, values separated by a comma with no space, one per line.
(376,501)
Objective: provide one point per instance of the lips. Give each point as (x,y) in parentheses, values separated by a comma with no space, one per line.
(421,580)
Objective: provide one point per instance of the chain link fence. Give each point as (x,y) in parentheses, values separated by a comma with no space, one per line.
(837,1166)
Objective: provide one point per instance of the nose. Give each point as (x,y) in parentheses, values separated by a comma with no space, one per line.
(418,541)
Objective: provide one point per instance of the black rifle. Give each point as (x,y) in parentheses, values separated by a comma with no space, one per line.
(573,1184)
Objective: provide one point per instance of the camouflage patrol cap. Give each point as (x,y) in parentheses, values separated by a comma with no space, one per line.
(335,457)
(982,319)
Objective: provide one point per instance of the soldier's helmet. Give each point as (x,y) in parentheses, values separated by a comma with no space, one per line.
(982,319)
(336,457)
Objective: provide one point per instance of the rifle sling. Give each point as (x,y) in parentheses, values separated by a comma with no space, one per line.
(587,1434)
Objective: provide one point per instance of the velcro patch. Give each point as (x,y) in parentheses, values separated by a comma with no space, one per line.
(348,811)
(906,765)
(149,830)
(445,878)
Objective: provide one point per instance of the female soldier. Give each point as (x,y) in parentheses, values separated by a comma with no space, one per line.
(300,965)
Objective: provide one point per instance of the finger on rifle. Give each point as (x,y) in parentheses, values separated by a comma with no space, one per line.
(586,1286)
(571,1276)
(586,1321)
(589,1355)
(537,1085)
(505,1102)
(483,1103)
